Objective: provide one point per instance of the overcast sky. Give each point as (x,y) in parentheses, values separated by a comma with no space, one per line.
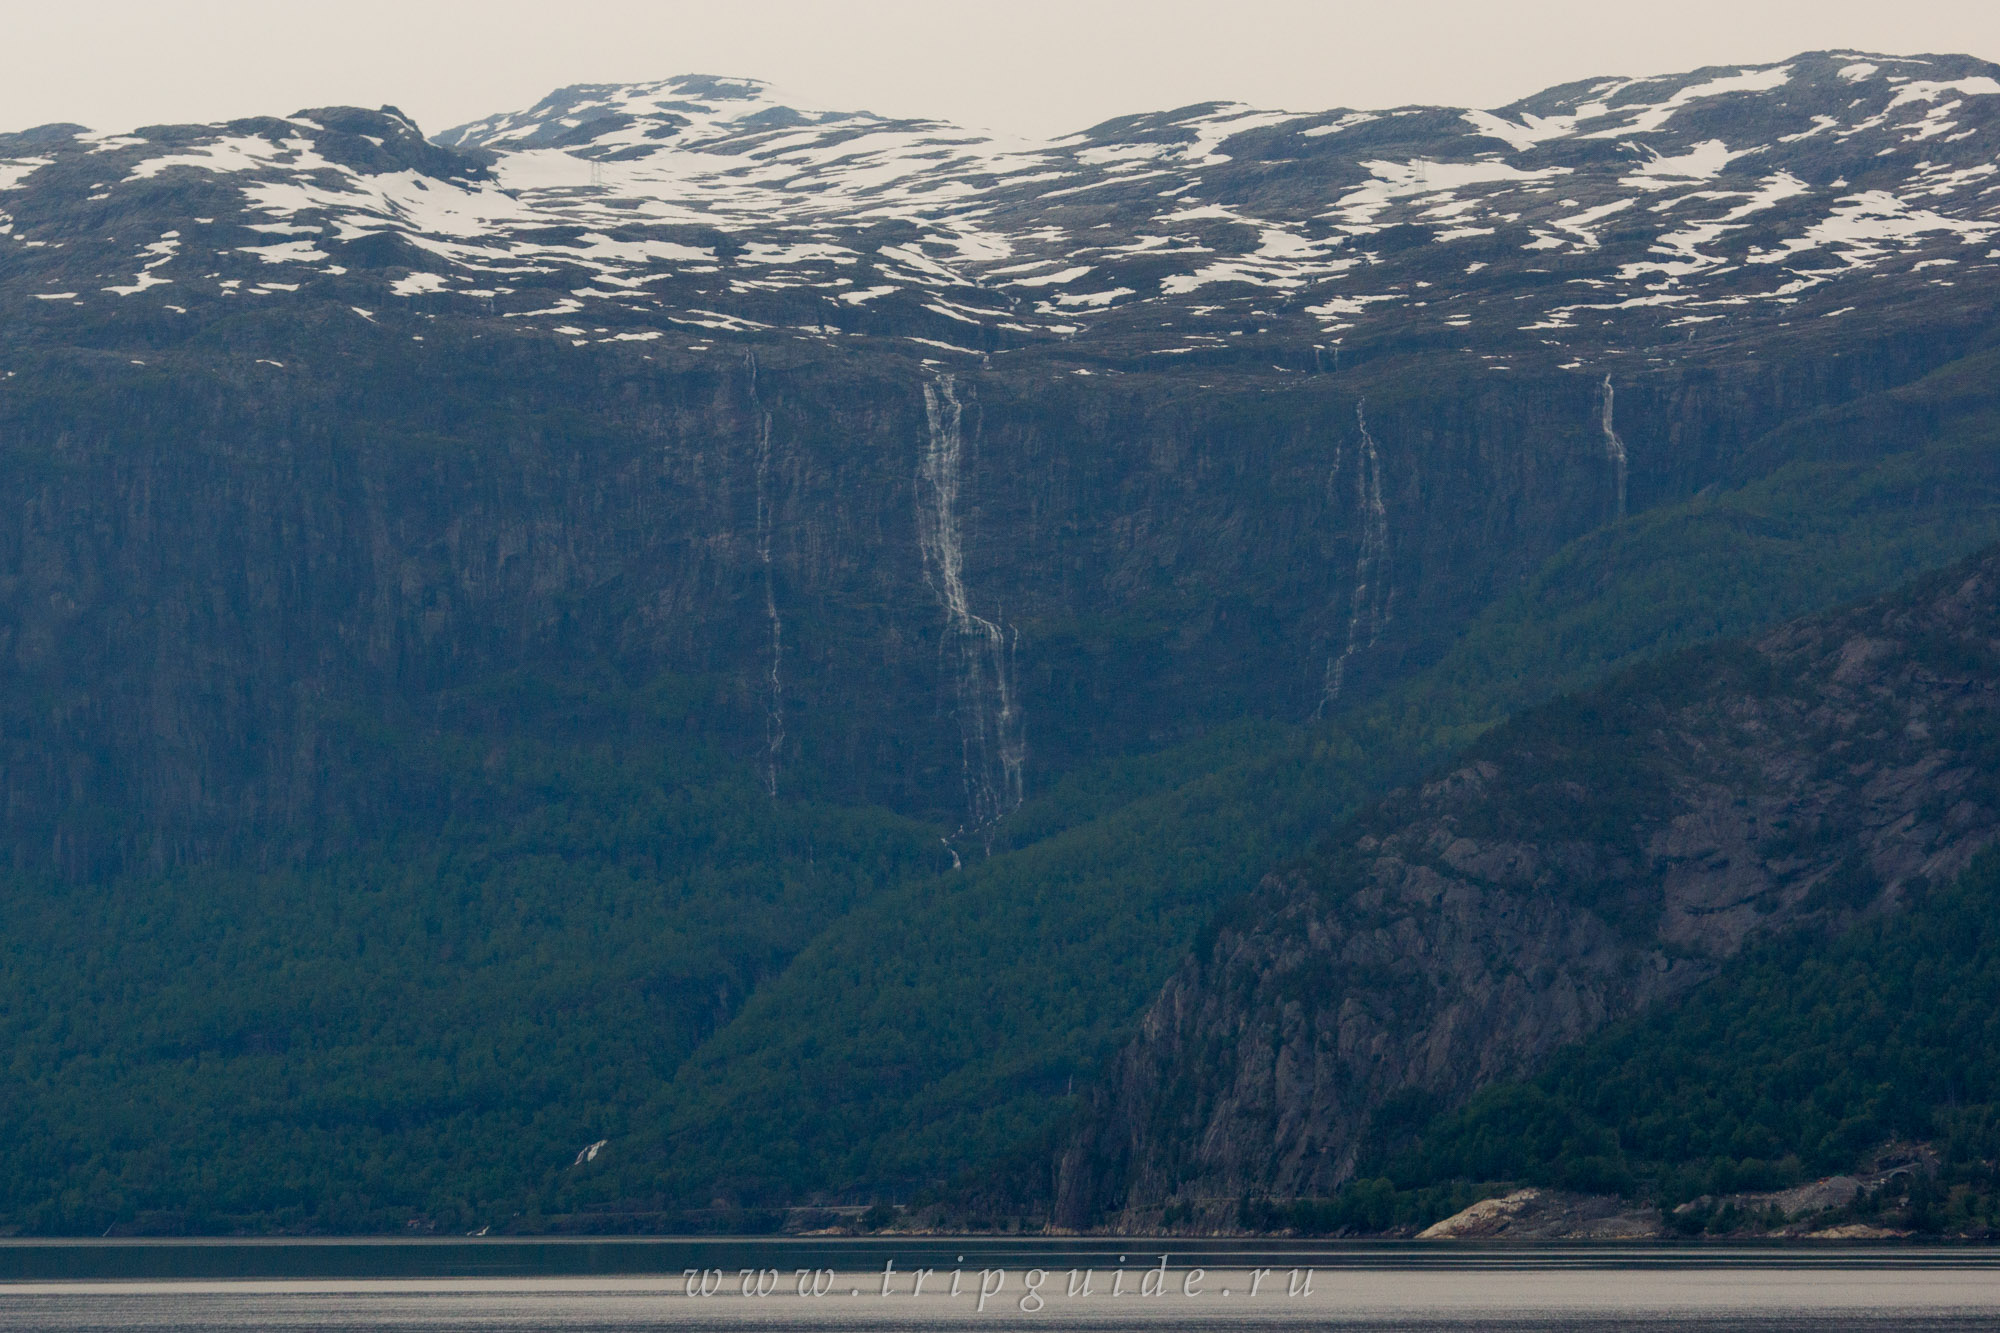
(1029,66)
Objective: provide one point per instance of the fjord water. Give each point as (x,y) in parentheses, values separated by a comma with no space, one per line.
(621,1284)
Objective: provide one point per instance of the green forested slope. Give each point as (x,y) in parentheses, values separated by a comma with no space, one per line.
(1797,1062)
(951,1023)
(581,896)
(1877,493)
(1592,859)
(948,1025)
(427,1028)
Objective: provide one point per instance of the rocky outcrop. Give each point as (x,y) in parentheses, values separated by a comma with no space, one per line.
(1800,1210)
(1535,1214)
(1592,859)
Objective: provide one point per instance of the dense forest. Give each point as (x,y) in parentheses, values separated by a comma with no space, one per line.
(1804,1059)
(616,941)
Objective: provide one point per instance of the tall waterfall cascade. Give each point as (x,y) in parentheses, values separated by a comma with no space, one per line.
(979,652)
(1614,448)
(1369,605)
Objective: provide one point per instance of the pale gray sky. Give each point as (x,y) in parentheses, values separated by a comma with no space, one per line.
(1038,67)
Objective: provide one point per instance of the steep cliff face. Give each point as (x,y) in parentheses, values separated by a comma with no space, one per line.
(1585,862)
(931,466)
(889,583)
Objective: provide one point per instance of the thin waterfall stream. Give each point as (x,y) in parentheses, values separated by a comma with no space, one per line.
(981,651)
(1369,604)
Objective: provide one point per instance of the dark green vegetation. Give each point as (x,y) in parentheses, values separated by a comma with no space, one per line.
(1873,494)
(1798,1062)
(578,919)
(428,1028)
(958,1021)
(486,671)
(1593,858)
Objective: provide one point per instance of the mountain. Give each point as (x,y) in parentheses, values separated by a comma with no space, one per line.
(1808,1066)
(663,562)
(1592,859)
(1258,409)
(1086,913)
(698,206)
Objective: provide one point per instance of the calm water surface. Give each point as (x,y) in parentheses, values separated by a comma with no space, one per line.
(575,1286)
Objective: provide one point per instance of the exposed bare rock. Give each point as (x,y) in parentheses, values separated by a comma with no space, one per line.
(1856,1231)
(1533,1214)
(1818,1196)
(1588,861)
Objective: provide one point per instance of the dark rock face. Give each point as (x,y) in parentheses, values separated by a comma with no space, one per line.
(1587,861)
(927,466)
(215,570)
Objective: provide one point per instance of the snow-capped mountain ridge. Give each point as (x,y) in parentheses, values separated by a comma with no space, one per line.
(691,108)
(1631,208)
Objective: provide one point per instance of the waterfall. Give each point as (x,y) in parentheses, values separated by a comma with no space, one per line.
(774,707)
(980,652)
(1614,448)
(774,710)
(1369,606)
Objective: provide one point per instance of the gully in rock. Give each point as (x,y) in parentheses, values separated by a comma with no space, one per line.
(774,709)
(774,714)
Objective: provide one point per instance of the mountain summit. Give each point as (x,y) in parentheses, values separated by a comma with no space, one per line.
(1606,215)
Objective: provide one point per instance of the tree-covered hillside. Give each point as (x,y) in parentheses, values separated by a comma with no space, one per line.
(586,924)
(425,1030)
(1592,858)
(956,1021)
(665,657)
(1802,1060)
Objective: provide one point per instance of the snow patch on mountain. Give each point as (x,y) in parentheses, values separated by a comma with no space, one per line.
(1924,91)
(1532,130)
(716,203)
(15,171)
(1862,227)
(1654,116)
(1700,162)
